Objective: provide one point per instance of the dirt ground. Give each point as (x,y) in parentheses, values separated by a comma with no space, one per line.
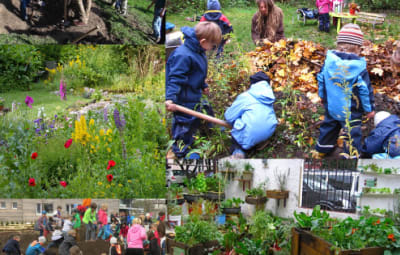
(27,236)
(46,21)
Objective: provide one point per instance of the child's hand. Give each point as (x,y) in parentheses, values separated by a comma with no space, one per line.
(170,106)
(371,115)
(206,91)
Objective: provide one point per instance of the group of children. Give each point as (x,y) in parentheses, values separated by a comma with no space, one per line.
(344,88)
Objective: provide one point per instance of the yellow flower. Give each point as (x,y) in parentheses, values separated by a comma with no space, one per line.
(101,132)
(100,183)
(129,181)
(109,131)
(108,186)
(120,185)
(97,138)
(163,121)
(108,149)
(112,184)
(110,139)
(92,146)
(91,122)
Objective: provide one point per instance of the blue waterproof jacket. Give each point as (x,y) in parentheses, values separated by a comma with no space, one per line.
(186,71)
(35,249)
(252,115)
(384,138)
(344,70)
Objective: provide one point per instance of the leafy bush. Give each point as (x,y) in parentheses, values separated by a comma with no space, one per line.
(19,65)
(197,231)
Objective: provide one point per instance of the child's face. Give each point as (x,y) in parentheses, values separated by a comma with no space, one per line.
(263,9)
(207,45)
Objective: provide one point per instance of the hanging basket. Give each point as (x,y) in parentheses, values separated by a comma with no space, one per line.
(214,196)
(256,200)
(278,194)
(234,210)
(190,198)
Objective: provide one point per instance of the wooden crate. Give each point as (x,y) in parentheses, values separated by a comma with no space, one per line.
(305,243)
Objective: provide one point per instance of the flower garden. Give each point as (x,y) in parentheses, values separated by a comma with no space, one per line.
(90,126)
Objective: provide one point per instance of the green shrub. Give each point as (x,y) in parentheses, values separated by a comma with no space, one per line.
(19,65)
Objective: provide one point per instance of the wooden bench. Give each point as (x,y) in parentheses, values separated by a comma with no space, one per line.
(371,18)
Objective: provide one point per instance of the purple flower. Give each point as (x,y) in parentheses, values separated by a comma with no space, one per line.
(105,114)
(63,90)
(119,119)
(29,101)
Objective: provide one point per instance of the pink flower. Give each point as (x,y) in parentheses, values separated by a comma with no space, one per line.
(68,143)
(29,101)
(63,183)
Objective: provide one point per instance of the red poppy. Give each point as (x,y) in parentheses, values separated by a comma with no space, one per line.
(63,183)
(32,182)
(378,221)
(68,143)
(109,177)
(111,163)
(34,155)
(391,237)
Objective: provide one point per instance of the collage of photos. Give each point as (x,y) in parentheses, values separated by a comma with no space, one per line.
(199,127)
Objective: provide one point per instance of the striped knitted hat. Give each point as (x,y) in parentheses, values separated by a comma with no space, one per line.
(396,56)
(350,33)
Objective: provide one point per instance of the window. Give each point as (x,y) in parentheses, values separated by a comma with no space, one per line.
(330,184)
(2,205)
(14,205)
(44,207)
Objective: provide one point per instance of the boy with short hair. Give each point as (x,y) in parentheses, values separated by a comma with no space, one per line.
(68,243)
(186,72)
(12,246)
(345,89)
(215,15)
(36,247)
(384,141)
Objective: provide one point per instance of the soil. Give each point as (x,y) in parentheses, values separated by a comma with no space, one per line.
(27,236)
(46,21)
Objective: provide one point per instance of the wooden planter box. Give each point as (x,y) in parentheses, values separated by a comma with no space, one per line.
(197,249)
(305,243)
(190,198)
(278,194)
(214,196)
(256,200)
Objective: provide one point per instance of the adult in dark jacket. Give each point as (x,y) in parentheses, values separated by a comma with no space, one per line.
(250,111)
(215,15)
(68,242)
(12,246)
(267,23)
(384,140)
(186,72)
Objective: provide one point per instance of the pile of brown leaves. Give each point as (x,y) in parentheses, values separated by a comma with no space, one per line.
(296,63)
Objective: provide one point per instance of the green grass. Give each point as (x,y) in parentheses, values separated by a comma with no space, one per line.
(43,97)
(241,22)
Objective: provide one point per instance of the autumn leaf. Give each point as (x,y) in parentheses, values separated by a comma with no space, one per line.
(377,71)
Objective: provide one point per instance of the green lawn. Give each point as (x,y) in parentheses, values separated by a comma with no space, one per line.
(43,97)
(241,21)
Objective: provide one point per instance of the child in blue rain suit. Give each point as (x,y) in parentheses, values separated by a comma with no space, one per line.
(384,141)
(215,15)
(252,115)
(345,88)
(186,72)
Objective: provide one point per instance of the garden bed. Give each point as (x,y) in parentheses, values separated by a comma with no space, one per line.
(305,243)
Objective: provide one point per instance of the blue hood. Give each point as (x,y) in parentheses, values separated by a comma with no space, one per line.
(213,5)
(355,64)
(190,39)
(262,92)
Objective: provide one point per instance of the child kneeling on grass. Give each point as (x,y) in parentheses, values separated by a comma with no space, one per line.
(252,115)
(186,72)
(384,141)
(345,89)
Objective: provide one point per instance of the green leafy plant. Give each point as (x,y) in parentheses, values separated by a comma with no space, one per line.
(232,202)
(197,231)
(263,227)
(251,247)
(314,221)
(215,184)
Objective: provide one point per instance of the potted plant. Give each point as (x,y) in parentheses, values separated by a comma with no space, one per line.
(255,196)
(174,213)
(231,206)
(247,173)
(281,179)
(195,187)
(229,170)
(215,188)
(2,101)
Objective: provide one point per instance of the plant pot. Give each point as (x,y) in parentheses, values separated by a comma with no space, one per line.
(214,196)
(304,243)
(256,200)
(278,194)
(190,198)
(247,176)
(234,210)
(220,219)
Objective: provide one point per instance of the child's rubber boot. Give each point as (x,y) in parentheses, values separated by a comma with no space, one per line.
(193,156)
(238,154)
(317,155)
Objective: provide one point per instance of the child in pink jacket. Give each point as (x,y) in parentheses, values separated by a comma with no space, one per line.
(324,7)
(102,221)
(136,236)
